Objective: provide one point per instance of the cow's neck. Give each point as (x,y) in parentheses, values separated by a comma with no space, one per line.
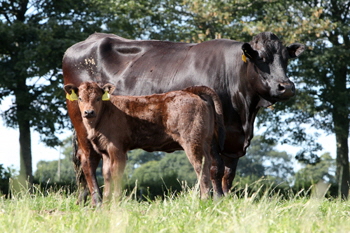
(247,117)
(246,99)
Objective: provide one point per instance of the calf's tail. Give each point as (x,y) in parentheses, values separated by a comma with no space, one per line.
(219,117)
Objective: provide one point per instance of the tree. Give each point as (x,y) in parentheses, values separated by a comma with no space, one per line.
(313,173)
(5,175)
(263,160)
(57,171)
(34,36)
(181,20)
(61,171)
(158,172)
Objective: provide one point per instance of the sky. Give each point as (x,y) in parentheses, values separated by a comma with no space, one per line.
(9,144)
(9,148)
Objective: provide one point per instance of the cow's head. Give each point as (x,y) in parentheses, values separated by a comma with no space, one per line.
(90,97)
(267,61)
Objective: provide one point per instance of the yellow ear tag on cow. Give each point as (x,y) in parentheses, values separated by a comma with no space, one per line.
(106,96)
(244,58)
(72,96)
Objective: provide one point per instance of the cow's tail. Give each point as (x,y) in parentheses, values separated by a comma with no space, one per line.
(219,117)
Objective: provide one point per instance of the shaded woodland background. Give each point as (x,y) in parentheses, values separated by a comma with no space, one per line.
(35,34)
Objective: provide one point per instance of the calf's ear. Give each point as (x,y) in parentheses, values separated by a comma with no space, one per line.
(107,88)
(71,91)
(249,52)
(295,49)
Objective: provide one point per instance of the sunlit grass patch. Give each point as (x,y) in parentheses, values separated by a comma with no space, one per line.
(245,211)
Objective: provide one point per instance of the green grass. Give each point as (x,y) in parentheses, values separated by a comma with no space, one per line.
(251,212)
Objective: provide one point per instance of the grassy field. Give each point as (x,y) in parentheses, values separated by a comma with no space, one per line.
(249,212)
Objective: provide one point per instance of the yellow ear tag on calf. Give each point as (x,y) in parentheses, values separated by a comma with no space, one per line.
(244,58)
(72,96)
(106,96)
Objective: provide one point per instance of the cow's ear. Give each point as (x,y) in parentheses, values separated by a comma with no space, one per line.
(248,52)
(71,91)
(295,49)
(107,88)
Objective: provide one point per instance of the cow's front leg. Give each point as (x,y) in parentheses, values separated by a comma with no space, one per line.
(106,169)
(229,174)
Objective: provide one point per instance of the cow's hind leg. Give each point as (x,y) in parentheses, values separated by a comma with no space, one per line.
(230,173)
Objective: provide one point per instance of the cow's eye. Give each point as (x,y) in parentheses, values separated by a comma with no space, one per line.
(80,99)
(261,59)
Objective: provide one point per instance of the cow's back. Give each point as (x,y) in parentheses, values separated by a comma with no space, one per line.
(148,66)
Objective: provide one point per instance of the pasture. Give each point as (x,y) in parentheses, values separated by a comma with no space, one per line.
(55,211)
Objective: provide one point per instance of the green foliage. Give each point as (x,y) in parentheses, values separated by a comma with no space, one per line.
(34,37)
(155,174)
(263,160)
(57,171)
(312,174)
(33,43)
(158,172)
(5,175)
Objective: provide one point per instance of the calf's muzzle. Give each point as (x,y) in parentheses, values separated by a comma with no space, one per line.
(89,113)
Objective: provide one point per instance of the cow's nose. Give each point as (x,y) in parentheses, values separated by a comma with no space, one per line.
(286,89)
(89,113)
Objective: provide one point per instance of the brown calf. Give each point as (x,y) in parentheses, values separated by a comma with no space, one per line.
(190,119)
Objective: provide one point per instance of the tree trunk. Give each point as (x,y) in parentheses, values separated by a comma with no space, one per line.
(342,173)
(341,128)
(23,100)
(26,172)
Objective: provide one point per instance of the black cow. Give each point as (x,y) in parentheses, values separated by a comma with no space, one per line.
(246,76)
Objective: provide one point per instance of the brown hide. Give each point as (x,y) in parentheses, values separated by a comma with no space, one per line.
(190,119)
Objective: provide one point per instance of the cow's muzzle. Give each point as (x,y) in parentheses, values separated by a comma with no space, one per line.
(286,90)
(89,113)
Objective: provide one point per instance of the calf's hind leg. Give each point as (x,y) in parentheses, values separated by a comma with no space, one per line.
(200,160)
(216,171)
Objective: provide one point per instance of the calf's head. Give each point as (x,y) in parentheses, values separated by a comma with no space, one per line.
(267,61)
(90,97)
